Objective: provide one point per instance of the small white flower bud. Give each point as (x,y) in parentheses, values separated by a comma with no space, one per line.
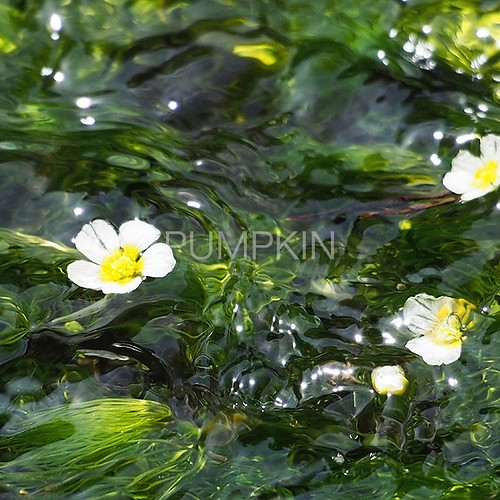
(389,380)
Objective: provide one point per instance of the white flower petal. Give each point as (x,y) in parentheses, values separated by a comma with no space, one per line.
(476,193)
(462,177)
(85,274)
(432,353)
(420,312)
(115,287)
(138,233)
(97,240)
(463,167)
(158,260)
(466,162)
(490,148)
(497,181)
(457,182)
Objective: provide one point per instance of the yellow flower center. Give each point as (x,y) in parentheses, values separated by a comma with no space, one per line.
(447,332)
(123,265)
(451,321)
(486,175)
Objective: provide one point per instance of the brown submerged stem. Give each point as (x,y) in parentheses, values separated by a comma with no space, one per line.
(392,206)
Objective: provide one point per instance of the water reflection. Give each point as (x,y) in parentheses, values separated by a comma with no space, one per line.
(232,117)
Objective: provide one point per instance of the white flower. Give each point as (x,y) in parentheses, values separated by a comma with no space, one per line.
(439,323)
(389,380)
(119,261)
(473,177)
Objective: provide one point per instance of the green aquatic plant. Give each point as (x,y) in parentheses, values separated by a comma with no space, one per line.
(27,259)
(111,447)
(213,119)
(13,319)
(41,298)
(35,265)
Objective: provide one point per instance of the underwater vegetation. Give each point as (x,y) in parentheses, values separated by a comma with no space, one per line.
(249,249)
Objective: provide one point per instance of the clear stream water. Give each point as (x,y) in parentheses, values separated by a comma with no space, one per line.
(245,373)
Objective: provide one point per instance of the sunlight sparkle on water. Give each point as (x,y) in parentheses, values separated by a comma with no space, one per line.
(335,372)
(55,22)
(462,139)
(88,120)
(397,322)
(478,62)
(483,33)
(435,160)
(388,338)
(84,102)
(279,402)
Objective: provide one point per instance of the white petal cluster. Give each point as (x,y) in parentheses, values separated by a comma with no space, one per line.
(473,176)
(438,323)
(119,261)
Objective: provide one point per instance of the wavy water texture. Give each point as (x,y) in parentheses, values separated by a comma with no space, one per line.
(248,133)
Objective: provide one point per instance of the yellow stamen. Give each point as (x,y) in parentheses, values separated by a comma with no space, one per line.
(452,320)
(463,310)
(447,332)
(123,265)
(486,175)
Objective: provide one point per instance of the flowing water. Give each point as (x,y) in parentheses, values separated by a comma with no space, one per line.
(293,153)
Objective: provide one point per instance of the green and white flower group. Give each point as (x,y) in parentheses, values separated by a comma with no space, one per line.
(119,261)
(438,323)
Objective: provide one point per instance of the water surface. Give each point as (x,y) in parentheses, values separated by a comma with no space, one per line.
(246,375)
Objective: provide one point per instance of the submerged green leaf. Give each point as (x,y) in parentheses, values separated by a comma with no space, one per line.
(14,322)
(133,446)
